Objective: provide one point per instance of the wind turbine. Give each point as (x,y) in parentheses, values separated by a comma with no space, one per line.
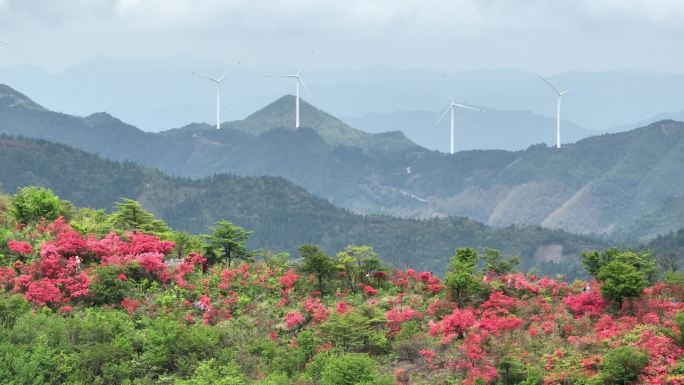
(298,81)
(451,108)
(218,91)
(558,107)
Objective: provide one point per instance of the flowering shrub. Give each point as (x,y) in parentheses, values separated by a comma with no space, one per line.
(293,318)
(22,248)
(557,332)
(586,303)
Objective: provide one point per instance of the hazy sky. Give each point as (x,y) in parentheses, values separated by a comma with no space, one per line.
(541,35)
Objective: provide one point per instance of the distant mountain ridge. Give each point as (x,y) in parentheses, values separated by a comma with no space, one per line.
(607,185)
(282,215)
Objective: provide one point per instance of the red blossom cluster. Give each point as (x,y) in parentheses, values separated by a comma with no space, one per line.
(293,318)
(19,247)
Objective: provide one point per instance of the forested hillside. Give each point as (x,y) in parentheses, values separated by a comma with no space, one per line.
(281,214)
(617,185)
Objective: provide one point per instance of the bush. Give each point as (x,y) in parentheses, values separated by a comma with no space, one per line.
(349,331)
(348,369)
(511,371)
(108,286)
(209,373)
(623,365)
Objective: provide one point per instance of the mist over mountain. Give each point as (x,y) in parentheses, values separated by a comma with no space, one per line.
(603,100)
(489,129)
(614,185)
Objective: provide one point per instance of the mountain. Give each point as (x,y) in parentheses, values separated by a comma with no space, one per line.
(282,215)
(602,185)
(489,129)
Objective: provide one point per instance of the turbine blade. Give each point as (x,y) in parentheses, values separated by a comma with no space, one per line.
(204,77)
(307,60)
(547,82)
(301,81)
(443,115)
(470,108)
(280,76)
(229,70)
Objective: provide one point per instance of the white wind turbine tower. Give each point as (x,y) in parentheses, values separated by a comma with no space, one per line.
(451,108)
(298,81)
(558,107)
(218,92)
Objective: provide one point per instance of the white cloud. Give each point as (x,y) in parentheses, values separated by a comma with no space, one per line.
(524,33)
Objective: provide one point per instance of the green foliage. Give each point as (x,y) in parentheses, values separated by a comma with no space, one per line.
(622,366)
(357,262)
(274,379)
(620,281)
(511,372)
(170,346)
(679,321)
(348,369)
(227,242)
(5,204)
(129,215)
(185,243)
(496,263)
(107,287)
(316,262)
(31,204)
(349,331)
(210,373)
(90,221)
(642,261)
(460,278)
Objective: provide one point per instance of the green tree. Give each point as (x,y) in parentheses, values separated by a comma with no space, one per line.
(90,221)
(620,281)
(594,261)
(316,262)
(227,242)
(129,215)
(186,243)
(460,278)
(32,203)
(496,263)
(354,260)
(622,366)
